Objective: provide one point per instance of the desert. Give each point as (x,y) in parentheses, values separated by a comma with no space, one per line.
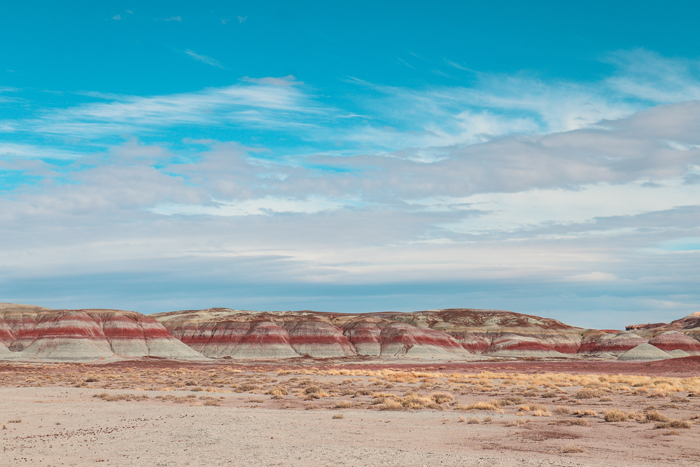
(313,389)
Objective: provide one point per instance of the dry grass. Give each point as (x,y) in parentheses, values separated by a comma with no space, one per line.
(338,416)
(121,397)
(481,405)
(685,424)
(441,397)
(587,393)
(654,416)
(572,449)
(390,404)
(579,422)
(615,415)
(342,405)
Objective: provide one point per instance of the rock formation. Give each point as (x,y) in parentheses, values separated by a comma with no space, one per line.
(645,352)
(455,333)
(681,334)
(29,332)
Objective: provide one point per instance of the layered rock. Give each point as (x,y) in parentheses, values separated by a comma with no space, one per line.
(674,340)
(455,333)
(40,333)
(609,343)
(689,326)
(645,352)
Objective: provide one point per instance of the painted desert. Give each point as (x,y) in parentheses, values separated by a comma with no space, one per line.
(455,387)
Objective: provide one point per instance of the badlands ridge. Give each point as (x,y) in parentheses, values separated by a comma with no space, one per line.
(30,332)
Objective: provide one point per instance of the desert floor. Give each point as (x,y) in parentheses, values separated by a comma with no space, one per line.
(333,414)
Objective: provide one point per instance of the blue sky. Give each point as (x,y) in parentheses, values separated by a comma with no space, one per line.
(541,157)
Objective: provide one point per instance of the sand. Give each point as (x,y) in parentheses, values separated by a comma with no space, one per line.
(223,422)
(132,433)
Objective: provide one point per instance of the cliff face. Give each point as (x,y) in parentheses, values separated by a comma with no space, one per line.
(35,332)
(29,332)
(678,334)
(458,333)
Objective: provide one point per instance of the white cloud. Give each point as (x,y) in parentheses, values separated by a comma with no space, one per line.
(30,151)
(261,206)
(174,18)
(252,103)
(539,207)
(204,59)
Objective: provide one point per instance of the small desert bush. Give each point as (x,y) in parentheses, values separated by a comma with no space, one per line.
(654,416)
(342,405)
(562,411)
(674,424)
(277,392)
(571,448)
(587,393)
(441,397)
(517,422)
(390,404)
(474,421)
(615,415)
(121,397)
(481,405)
(579,422)
(414,401)
(515,400)
(338,416)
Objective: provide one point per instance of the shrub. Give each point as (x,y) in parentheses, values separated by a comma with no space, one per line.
(654,416)
(415,401)
(570,449)
(587,393)
(338,416)
(390,404)
(342,405)
(579,422)
(685,424)
(615,415)
(481,405)
(441,397)
(474,421)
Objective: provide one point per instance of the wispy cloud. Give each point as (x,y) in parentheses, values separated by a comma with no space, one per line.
(30,151)
(174,18)
(257,104)
(204,59)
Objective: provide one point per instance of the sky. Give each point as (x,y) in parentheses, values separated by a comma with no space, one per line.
(541,157)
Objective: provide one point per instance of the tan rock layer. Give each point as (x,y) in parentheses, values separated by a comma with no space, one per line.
(41,333)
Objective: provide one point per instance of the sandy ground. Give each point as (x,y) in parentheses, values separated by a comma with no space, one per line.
(47,421)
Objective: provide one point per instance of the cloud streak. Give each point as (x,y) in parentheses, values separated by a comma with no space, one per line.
(204,59)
